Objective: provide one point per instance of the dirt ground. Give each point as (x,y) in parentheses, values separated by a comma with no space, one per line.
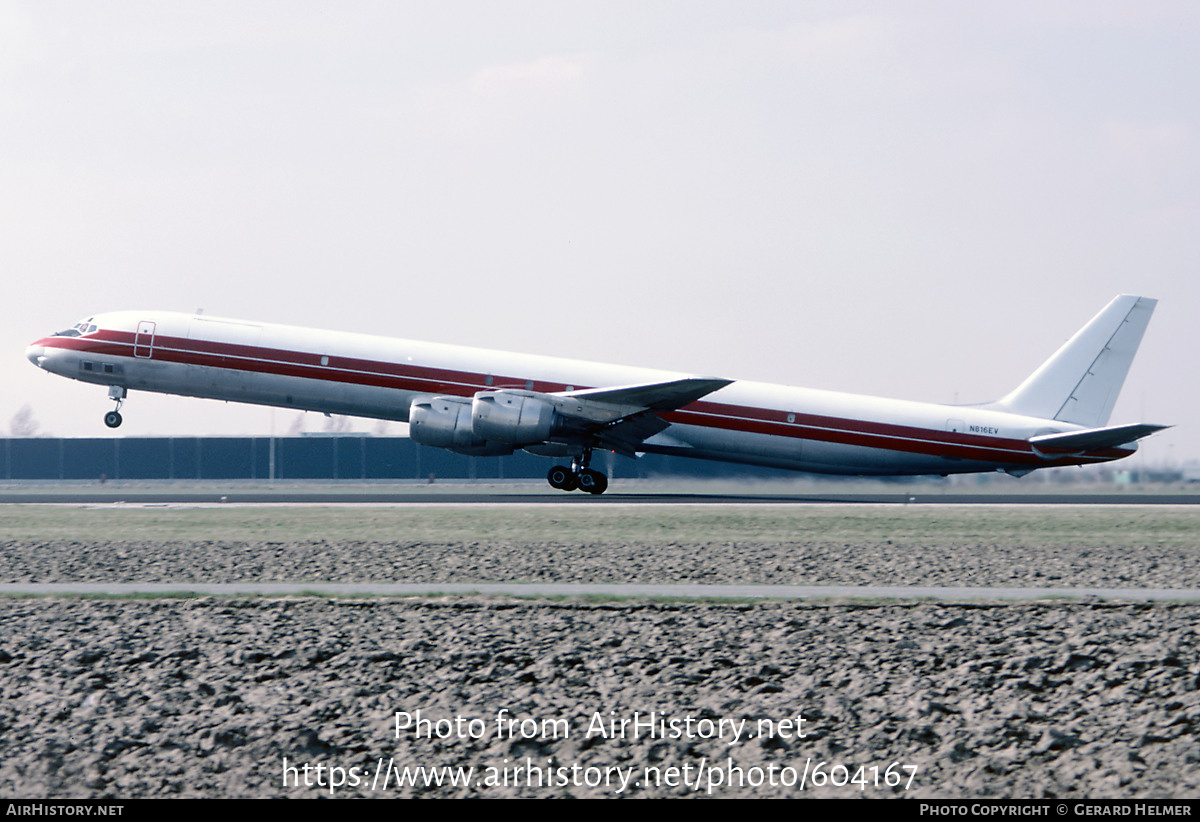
(217,697)
(235,697)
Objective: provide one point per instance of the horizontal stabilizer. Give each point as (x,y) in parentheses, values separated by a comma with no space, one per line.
(1094,438)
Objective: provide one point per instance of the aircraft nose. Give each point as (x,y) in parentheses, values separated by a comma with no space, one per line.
(34,354)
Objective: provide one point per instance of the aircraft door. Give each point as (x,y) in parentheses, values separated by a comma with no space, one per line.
(143,341)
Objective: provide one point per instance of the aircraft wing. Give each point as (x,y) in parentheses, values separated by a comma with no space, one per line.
(1109,437)
(658,396)
(622,418)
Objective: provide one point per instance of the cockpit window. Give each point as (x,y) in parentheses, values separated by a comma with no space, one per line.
(78,330)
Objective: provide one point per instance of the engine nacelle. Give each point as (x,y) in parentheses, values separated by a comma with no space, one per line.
(512,417)
(445,422)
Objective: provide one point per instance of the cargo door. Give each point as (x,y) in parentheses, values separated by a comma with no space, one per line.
(143,341)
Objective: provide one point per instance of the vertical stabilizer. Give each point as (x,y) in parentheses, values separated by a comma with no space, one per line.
(1080,383)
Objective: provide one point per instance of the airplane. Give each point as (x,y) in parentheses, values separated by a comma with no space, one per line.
(488,403)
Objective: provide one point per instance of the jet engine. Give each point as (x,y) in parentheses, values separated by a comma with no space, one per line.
(445,422)
(514,417)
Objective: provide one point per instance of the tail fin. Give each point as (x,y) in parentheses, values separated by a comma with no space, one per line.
(1080,383)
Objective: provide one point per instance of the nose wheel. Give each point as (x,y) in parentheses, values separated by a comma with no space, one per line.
(113,418)
(578,475)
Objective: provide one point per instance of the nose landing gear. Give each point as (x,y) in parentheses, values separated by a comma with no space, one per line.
(578,476)
(113,418)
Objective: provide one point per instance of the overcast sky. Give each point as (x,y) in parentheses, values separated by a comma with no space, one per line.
(909,199)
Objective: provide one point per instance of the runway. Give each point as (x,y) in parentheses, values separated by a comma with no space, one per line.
(840,593)
(509,497)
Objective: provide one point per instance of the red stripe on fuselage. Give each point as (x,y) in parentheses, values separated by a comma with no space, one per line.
(707,414)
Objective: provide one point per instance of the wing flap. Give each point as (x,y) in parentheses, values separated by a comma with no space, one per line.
(626,436)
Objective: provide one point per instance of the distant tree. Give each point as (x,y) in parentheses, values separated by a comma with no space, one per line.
(297,426)
(336,425)
(23,424)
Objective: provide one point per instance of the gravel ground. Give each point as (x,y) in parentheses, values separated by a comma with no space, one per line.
(207,697)
(981,563)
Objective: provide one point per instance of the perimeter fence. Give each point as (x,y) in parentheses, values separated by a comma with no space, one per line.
(306,457)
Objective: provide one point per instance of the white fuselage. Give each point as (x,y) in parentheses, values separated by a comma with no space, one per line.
(380,377)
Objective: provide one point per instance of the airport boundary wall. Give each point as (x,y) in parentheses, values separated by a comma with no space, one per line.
(303,458)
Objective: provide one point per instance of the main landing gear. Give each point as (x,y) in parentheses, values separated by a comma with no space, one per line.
(113,418)
(578,476)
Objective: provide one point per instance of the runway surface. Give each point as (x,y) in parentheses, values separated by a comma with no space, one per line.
(687,591)
(524,498)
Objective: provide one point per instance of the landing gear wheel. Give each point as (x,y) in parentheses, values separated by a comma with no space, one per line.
(560,477)
(112,419)
(592,481)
